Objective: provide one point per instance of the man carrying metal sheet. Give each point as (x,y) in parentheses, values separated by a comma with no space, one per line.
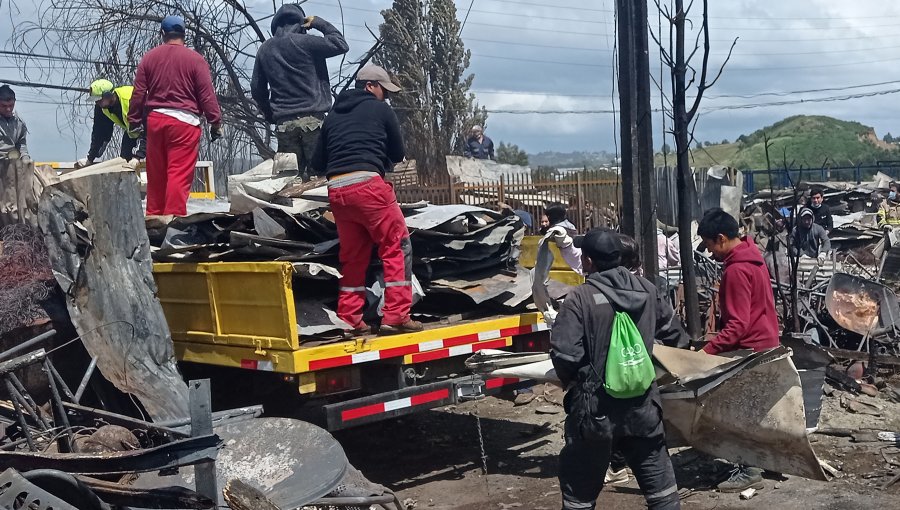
(748,318)
(359,143)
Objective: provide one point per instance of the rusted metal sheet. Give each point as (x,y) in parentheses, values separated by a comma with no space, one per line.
(749,411)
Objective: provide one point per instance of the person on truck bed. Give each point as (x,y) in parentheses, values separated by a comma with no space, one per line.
(360,141)
(173,92)
(110,110)
(290,79)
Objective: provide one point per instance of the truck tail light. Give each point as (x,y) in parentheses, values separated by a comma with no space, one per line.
(534,342)
(337,380)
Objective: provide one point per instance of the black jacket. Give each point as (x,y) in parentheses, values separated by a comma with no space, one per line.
(823,216)
(580,337)
(290,77)
(582,330)
(479,150)
(360,133)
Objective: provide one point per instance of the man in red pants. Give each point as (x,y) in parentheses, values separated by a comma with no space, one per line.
(172,89)
(359,142)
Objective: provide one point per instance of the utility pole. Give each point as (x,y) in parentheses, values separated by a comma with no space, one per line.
(687,195)
(638,174)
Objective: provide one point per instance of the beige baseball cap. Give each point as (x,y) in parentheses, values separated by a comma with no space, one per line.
(371,72)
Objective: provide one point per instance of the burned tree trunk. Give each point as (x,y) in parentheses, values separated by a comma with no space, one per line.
(94,226)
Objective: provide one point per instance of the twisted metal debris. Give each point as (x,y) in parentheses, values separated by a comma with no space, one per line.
(25,276)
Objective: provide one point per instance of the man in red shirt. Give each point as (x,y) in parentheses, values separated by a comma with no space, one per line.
(747,307)
(172,89)
(746,302)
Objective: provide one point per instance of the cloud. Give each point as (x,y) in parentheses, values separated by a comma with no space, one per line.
(558,55)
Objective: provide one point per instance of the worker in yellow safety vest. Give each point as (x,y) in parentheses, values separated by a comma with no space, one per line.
(111,109)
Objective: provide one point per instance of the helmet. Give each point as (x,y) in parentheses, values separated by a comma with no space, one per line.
(101,87)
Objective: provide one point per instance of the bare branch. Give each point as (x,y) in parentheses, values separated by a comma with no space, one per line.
(703,85)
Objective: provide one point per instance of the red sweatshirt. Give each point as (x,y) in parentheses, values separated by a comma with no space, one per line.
(173,76)
(746,302)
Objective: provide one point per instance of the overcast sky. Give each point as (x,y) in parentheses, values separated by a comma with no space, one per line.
(557,56)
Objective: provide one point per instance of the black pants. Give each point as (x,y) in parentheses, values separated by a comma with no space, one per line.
(583,463)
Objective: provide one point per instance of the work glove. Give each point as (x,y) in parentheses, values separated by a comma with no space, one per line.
(821,259)
(215,132)
(560,237)
(310,22)
(25,159)
(141,151)
(137,132)
(83,162)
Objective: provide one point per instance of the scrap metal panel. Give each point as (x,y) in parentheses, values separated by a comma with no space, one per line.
(249,304)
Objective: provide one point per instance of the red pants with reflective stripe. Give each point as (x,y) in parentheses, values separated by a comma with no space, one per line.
(366,215)
(172,148)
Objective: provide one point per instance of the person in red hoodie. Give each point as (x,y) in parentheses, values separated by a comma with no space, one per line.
(747,307)
(746,302)
(172,89)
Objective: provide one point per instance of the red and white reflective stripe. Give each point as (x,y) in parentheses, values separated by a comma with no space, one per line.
(458,350)
(252,364)
(393,405)
(491,384)
(431,345)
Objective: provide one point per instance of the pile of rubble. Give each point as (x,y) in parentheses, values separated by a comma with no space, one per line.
(464,258)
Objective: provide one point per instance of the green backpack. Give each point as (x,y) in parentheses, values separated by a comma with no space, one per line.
(629,370)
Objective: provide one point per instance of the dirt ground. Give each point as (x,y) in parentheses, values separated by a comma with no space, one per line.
(433,460)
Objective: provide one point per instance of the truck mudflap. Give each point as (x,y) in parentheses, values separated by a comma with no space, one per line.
(391,404)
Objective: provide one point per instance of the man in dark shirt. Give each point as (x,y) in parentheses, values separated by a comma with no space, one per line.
(360,141)
(479,146)
(111,109)
(597,422)
(290,79)
(172,88)
(821,211)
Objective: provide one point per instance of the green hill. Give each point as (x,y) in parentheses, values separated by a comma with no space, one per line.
(805,141)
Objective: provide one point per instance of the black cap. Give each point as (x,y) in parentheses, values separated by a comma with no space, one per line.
(603,246)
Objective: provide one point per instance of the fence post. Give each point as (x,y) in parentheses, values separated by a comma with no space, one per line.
(501,195)
(450,191)
(579,195)
(858,174)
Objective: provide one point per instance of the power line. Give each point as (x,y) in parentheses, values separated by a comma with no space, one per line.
(552,18)
(800,101)
(32,84)
(62,58)
(556,7)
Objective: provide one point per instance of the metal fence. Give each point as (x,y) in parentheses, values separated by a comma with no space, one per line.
(779,178)
(591,196)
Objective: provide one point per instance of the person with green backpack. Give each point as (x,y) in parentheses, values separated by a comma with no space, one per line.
(601,346)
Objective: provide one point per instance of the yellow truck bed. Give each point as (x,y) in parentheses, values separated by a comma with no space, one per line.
(242,315)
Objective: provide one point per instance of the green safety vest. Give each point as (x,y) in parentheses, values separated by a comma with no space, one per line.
(124,92)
